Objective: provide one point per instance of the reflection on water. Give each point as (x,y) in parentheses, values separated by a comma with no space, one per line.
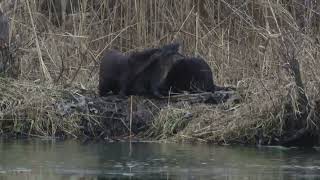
(39,159)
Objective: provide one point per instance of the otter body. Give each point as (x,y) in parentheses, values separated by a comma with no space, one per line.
(190,74)
(137,73)
(193,75)
(113,73)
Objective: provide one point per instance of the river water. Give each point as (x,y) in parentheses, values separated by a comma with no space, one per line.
(62,160)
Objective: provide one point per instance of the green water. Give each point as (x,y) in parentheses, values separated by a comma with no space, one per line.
(46,160)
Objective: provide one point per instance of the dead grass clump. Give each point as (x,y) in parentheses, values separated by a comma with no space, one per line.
(169,122)
(29,109)
(259,113)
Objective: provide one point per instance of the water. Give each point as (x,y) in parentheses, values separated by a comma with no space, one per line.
(43,159)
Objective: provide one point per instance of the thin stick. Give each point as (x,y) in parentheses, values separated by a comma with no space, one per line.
(197,33)
(130,115)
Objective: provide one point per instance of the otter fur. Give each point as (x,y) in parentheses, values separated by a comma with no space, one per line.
(139,73)
(151,80)
(117,70)
(191,74)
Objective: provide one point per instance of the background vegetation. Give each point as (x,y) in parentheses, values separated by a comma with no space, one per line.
(250,44)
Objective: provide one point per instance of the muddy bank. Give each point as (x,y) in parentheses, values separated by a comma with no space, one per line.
(115,117)
(223,117)
(28,109)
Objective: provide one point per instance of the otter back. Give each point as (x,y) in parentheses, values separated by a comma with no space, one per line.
(190,74)
(117,71)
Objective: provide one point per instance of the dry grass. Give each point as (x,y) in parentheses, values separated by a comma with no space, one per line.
(245,43)
(30,109)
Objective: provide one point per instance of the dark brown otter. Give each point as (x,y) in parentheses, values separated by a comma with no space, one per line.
(140,73)
(117,70)
(112,75)
(191,74)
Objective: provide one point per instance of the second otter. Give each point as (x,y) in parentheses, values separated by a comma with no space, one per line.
(192,75)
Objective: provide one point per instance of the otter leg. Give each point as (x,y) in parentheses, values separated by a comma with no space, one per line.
(123,90)
(124,87)
(104,87)
(156,85)
(158,81)
(102,92)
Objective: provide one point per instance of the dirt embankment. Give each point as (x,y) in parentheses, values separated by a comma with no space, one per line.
(33,110)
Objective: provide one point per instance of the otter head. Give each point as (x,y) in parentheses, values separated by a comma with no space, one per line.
(168,55)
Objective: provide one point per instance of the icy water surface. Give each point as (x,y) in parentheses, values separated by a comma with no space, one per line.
(43,159)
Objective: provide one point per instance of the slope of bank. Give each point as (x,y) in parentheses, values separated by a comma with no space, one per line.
(32,110)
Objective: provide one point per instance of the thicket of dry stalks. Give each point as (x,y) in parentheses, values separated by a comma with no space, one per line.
(248,44)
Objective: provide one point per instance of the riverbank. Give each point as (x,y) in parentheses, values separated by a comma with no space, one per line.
(33,110)
(30,109)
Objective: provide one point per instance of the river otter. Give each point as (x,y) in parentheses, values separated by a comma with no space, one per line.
(151,79)
(191,74)
(112,73)
(117,70)
(129,74)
